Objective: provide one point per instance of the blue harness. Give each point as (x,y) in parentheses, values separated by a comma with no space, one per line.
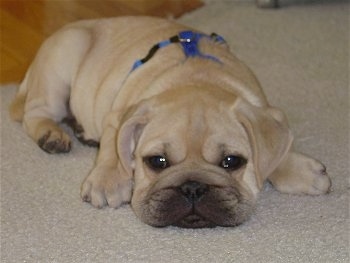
(189,42)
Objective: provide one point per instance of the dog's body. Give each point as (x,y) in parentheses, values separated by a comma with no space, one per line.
(188,140)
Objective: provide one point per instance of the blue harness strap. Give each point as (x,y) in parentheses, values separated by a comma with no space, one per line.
(189,42)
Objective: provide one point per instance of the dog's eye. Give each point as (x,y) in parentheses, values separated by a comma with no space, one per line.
(232,162)
(157,162)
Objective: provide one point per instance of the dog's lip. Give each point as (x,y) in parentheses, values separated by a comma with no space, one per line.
(194,220)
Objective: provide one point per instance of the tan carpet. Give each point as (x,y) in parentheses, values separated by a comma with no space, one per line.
(300,53)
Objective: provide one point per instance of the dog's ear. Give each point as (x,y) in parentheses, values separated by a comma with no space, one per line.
(129,133)
(269,136)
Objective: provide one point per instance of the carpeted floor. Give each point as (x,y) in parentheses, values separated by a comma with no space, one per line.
(300,54)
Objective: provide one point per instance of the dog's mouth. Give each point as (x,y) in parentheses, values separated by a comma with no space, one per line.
(194,221)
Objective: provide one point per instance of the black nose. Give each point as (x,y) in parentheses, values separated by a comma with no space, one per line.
(193,190)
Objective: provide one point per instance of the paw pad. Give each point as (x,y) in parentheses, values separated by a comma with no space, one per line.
(53,143)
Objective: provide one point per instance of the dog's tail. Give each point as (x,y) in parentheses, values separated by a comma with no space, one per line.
(17,105)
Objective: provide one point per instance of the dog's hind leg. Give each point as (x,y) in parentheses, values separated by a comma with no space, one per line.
(42,129)
(300,174)
(41,102)
(44,107)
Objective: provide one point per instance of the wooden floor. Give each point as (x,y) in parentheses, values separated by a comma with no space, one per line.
(24,24)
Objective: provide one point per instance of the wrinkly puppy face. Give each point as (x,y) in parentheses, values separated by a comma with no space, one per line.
(193,163)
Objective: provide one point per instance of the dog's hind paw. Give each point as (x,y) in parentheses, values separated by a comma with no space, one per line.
(103,187)
(55,142)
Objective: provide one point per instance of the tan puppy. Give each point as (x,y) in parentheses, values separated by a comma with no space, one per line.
(189,139)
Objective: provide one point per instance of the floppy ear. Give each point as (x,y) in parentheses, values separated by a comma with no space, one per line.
(129,134)
(269,136)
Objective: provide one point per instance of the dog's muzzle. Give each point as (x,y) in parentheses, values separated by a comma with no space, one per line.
(195,204)
(193,192)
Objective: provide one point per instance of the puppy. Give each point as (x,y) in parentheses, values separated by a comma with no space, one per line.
(185,132)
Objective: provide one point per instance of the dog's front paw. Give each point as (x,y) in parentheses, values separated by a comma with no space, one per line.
(104,187)
(300,174)
(316,176)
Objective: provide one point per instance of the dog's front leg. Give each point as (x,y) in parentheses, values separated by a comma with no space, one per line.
(107,184)
(300,174)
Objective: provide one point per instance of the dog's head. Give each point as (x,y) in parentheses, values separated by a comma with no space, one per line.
(199,156)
